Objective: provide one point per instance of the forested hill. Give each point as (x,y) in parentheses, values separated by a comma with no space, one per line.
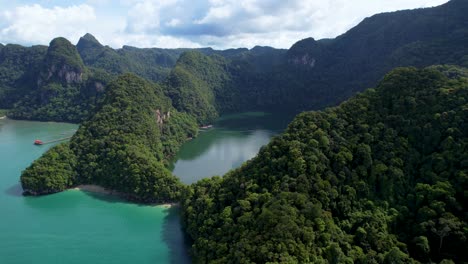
(310,75)
(334,69)
(153,64)
(382,178)
(316,74)
(125,146)
(61,87)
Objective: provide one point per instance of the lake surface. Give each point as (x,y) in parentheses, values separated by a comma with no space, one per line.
(81,227)
(232,140)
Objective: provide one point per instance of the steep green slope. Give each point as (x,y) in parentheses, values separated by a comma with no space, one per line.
(326,72)
(310,75)
(208,85)
(153,64)
(63,88)
(193,83)
(381,178)
(316,74)
(18,66)
(124,146)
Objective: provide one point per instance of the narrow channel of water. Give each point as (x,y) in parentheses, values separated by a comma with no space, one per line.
(81,227)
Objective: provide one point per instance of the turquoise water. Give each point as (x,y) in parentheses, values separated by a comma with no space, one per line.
(75,226)
(81,227)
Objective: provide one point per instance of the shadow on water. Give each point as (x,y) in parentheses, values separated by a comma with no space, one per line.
(15,190)
(110,198)
(172,233)
(175,238)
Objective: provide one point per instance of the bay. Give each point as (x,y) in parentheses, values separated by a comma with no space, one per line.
(231,141)
(75,226)
(81,227)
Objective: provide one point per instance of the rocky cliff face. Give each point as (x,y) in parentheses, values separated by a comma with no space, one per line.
(62,64)
(65,73)
(161,117)
(305,53)
(304,59)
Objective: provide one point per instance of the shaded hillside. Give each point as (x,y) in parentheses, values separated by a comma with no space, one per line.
(382,178)
(64,82)
(123,147)
(153,64)
(18,67)
(316,74)
(310,75)
(63,89)
(194,82)
(325,72)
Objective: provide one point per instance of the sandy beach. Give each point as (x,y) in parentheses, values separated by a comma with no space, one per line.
(102,190)
(167,205)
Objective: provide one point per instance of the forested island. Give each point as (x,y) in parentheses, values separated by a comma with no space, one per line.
(371,176)
(382,178)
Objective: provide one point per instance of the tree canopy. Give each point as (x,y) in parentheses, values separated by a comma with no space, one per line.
(379,179)
(124,146)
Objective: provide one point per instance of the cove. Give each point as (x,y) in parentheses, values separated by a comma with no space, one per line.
(231,141)
(75,226)
(81,227)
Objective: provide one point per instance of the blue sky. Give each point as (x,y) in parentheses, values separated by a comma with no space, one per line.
(189,23)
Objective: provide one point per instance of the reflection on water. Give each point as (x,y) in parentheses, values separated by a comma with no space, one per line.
(75,227)
(233,140)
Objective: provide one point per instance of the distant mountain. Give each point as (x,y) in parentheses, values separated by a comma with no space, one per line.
(62,88)
(382,178)
(310,75)
(326,72)
(316,74)
(151,63)
(34,93)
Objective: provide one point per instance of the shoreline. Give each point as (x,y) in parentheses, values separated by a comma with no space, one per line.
(101,190)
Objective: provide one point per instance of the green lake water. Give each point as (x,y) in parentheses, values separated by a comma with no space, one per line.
(232,140)
(81,227)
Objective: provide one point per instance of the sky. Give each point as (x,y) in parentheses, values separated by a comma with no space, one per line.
(219,24)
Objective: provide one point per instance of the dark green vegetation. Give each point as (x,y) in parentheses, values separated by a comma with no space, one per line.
(206,83)
(152,64)
(193,82)
(18,66)
(315,74)
(51,173)
(381,178)
(64,89)
(124,146)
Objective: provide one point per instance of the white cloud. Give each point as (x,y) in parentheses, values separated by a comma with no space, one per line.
(174,22)
(282,23)
(34,24)
(143,40)
(145,15)
(187,23)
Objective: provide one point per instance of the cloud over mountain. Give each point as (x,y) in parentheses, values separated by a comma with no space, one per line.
(184,23)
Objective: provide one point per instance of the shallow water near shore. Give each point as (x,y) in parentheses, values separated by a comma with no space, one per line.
(75,226)
(78,226)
